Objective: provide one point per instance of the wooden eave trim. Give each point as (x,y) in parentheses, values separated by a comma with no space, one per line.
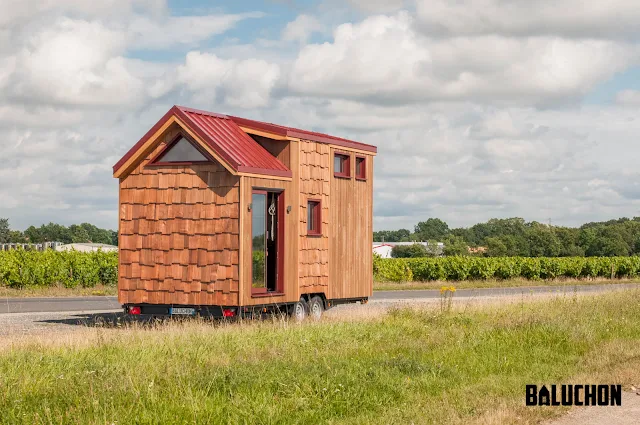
(128,166)
(266,176)
(345,144)
(338,147)
(262,133)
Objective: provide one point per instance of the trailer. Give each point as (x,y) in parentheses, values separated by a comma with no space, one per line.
(232,217)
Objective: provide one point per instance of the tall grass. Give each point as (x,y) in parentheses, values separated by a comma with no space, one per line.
(407,366)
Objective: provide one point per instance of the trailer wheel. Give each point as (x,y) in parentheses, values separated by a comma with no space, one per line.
(299,311)
(316,308)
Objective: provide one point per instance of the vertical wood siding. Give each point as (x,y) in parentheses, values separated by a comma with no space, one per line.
(351,235)
(281,149)
(179,235)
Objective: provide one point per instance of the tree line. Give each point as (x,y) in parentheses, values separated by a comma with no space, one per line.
(495,238)
(52,232)
(511,237)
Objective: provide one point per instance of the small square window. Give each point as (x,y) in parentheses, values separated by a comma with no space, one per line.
(341,165)
(314,217)
(361,168)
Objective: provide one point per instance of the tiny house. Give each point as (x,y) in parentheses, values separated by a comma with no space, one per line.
(228,216)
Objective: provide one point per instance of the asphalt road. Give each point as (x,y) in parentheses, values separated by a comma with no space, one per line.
(88,304)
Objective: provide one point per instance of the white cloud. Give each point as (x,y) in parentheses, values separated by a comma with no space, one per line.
(16,12)
(382,59)
(453,108)
(243,83)
(76,63)
(377,6)
(628,97)
(301,28)
(569,18)
(165,33)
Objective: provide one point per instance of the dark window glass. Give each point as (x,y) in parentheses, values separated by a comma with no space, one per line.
(182,151)
(258,235)
(361,171)
(313,217)
(341,165)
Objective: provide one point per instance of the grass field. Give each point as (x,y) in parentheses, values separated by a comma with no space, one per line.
(57,291)
(467,365)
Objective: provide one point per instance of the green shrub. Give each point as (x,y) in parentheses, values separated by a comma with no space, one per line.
(427,269)
(530,268)
(397,270)
(483,268)
(465,267)
(20,268)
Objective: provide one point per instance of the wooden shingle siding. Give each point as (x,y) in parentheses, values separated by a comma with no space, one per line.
(179,234)
(315,183)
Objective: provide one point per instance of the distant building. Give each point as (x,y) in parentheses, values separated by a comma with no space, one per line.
(383,249)
(30,246)
(87,247)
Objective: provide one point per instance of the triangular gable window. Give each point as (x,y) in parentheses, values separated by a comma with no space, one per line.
(180,150)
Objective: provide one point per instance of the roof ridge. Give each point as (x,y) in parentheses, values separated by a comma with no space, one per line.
(201,112)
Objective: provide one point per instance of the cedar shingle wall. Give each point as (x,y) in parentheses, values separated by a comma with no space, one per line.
(179,234)
(315,169)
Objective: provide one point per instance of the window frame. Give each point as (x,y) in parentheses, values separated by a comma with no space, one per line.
(347,165)
(362,176)
(317,217)
(155,160)
(280,269)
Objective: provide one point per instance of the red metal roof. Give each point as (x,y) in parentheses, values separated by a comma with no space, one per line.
(224,137)
(302,134)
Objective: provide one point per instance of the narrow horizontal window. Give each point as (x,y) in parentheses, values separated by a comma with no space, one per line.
(361,168)
(341,165)
(314,217)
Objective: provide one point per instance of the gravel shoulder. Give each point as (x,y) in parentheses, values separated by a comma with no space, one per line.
(626,414)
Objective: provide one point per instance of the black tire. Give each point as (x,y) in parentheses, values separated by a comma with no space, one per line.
(316,308)
(299,311)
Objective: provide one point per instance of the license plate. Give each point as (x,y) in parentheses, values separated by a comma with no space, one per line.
(183,311)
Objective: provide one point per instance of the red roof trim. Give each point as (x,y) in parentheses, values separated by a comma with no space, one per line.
(325,138)
(201,112)
(204,136)
(259,125)
(233,145)
(239,149)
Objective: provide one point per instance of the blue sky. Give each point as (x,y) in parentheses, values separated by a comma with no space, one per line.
(479,109)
